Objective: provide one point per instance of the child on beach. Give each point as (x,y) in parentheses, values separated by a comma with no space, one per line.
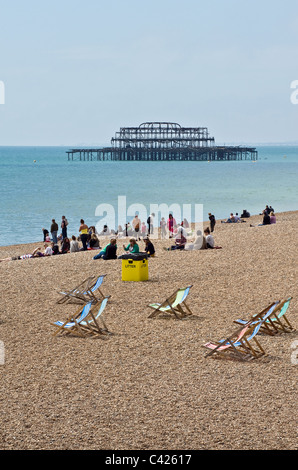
(163,224)
(143,230)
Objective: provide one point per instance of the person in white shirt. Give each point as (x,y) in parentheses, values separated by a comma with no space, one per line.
(209,238)
(74,245)
(48,250)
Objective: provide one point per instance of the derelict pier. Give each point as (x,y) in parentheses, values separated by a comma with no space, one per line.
(163,141)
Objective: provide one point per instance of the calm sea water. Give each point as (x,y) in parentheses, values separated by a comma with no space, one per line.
(39,183)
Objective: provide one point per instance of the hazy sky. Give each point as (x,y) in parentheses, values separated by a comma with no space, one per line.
(75,72)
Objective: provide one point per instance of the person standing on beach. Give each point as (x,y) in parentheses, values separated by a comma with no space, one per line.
(136,225)
(45,234)
(64,224)
(212,221)
(84,234)
(54,231)
(150,223)
(170,224)
(163,225)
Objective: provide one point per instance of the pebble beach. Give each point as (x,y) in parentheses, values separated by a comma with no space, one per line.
(149,384)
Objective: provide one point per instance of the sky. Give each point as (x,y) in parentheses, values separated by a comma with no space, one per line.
(73,73)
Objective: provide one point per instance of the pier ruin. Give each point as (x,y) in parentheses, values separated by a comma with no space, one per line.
(163,141)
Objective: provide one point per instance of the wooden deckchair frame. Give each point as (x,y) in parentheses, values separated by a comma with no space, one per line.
(85,323)
(238,344)
(274,323)
(84,293)
(176,310)
(77,328)
(68,295)
(92,324)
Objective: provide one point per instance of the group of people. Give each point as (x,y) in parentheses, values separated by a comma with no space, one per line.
(54,231)
(269,216)
(202,241)
(235,218)
(171,227)
(110,250)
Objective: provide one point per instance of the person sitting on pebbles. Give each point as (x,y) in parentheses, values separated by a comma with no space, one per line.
(149,248)
(132,247)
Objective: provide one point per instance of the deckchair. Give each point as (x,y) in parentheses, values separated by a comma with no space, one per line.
(266,326)
(281,321)
(87,292)
(242,343)
(92,321)
(73,323)
(277,321)
(173,305)
(68,295)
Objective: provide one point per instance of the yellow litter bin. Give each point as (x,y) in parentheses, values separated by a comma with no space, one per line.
(135,268)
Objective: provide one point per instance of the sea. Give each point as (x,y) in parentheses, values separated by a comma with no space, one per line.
(39,184)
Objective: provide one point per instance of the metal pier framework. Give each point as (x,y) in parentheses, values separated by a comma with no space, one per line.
(163,141)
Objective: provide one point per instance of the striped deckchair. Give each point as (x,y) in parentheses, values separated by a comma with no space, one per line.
(276,322)
(241,344)
(266,326)
(70,294)
(73,324)
(282,322)
(88,291)
(173,305)
(93,321)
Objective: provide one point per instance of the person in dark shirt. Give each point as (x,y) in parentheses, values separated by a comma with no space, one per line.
(245,214)
(45,234)
(111,251)
(149,248)
(266,218)
(54,231)
(212,221)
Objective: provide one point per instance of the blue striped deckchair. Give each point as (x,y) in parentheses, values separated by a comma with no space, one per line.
(267,326)
(173,305)
(277,321)
(92,321)
(73,324)
(242,343)
(68,295)
(87,291)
